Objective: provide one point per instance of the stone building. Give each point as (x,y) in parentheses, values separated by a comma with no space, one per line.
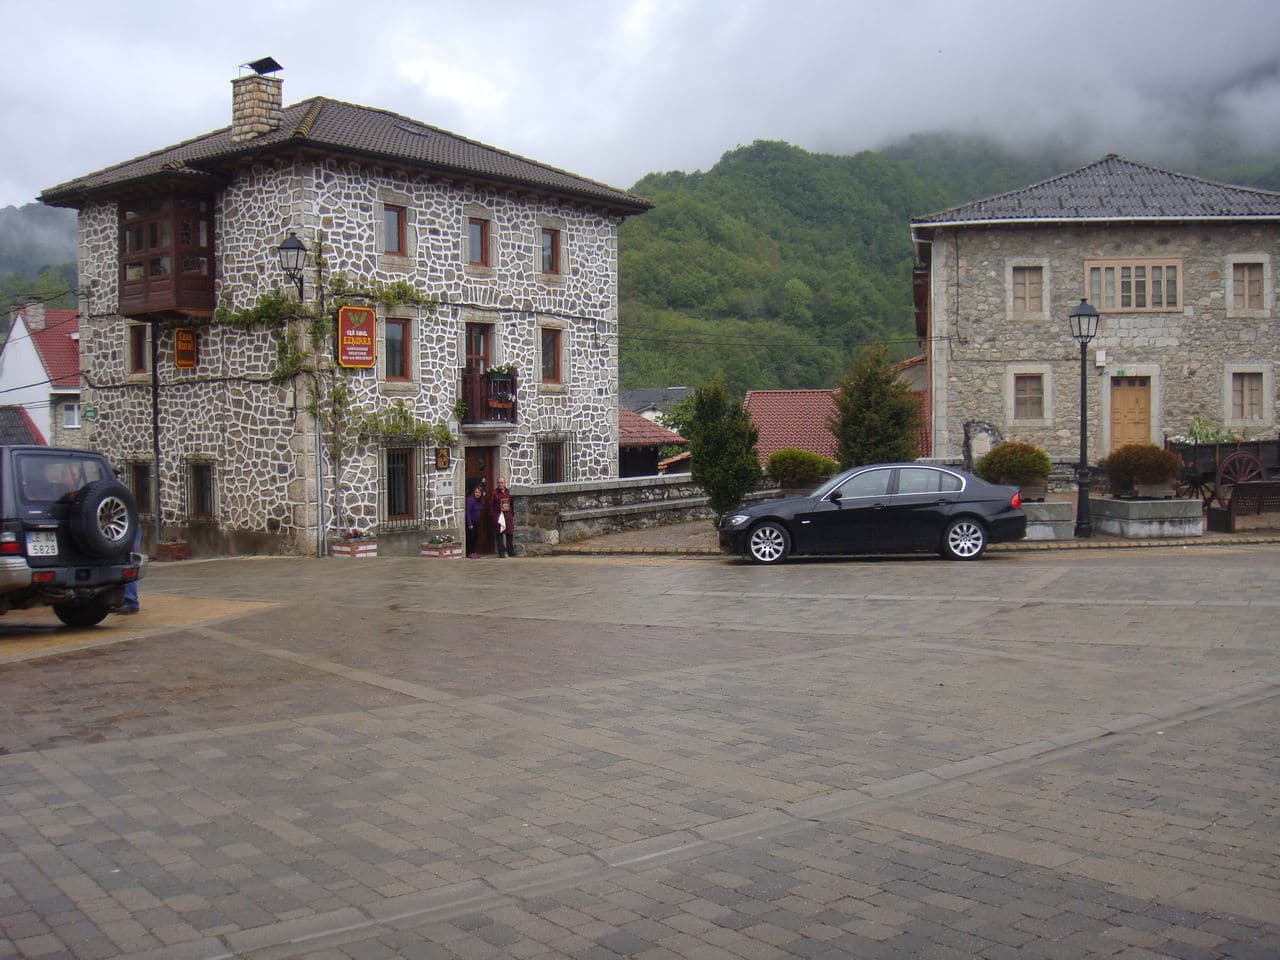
(1179,269)
(497,262)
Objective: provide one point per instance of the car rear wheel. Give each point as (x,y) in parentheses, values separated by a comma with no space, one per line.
(85,613)
(768,542)
(964,539)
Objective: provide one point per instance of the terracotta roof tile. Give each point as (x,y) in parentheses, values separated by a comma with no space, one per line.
(59,348)
(16,426)
(637,431)
(792,418)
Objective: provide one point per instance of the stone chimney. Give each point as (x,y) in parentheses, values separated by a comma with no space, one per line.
(256,106)
(33,311)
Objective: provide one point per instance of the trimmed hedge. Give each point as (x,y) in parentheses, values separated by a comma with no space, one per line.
(1141,463)
(799,468)
(1014,462)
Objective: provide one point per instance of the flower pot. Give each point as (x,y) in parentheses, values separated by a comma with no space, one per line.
(444,551)
(172,550)
(353,549)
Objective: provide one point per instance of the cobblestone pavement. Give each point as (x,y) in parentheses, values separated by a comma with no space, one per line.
(1055,755)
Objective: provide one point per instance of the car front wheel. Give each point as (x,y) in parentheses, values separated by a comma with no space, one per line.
(769,542)
(964,539)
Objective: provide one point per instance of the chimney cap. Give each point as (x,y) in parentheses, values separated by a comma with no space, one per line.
(264,66)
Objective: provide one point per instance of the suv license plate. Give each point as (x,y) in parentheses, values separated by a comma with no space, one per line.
(42,543)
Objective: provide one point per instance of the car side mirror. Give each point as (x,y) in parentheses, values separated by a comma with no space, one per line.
(834,497)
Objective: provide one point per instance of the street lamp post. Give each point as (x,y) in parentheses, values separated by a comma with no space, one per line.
(1084,327)
(293,258)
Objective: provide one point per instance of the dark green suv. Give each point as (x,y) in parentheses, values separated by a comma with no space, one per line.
(68,529)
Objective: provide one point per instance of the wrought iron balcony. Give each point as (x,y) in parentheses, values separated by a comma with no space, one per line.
(490,397)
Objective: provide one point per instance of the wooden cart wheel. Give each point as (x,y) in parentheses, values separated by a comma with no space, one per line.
(1196,486)
(1237,468)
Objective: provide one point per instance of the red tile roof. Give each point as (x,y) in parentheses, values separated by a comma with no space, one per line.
(637,431)
(59,348)
(792,418)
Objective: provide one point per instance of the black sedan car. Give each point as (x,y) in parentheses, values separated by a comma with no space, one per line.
(883,508)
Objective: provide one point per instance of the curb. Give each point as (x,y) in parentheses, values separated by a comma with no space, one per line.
(1024,546)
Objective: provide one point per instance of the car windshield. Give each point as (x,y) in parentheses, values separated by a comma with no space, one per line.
(47,478)
(827,486)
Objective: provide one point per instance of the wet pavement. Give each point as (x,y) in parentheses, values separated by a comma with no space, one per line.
(1069,753)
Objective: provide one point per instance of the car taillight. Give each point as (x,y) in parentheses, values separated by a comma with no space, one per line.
(129,573)
(1016,501)
(43,576)
(9,543)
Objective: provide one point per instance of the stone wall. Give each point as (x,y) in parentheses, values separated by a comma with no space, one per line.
(549,514)
(978,343)
(257,435)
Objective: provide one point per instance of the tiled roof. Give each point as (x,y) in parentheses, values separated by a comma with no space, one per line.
(637,431)
(17,427)
(1116,189)
(334,127)
(59,348)
(792,418)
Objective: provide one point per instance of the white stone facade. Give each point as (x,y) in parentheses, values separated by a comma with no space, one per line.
(254,439)
(979,345)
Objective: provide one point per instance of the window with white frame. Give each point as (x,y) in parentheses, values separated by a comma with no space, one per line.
(1028,390)
(1028,290)
(71,414)
(1134,286)
(1246,396)
(1248,285)
(1247,390)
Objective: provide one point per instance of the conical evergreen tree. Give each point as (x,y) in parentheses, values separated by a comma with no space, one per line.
(722,445)
(876,419)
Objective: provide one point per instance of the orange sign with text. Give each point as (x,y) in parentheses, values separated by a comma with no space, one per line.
(357,337)
(184,348)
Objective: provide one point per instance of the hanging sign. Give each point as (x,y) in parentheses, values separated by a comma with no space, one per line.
(357,330)
(184,348)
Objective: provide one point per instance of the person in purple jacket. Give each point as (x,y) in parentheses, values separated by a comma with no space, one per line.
(475,517)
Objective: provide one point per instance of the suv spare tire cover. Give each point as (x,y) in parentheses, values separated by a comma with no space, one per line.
(103,518)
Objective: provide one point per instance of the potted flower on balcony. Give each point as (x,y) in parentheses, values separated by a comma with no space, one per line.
(501,371)
(1142,471)
(502,398)
(1020,464)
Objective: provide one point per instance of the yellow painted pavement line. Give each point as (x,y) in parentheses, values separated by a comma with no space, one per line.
(31,634)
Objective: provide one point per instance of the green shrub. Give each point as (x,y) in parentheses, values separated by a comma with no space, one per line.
(1014,462)
(799,468)
(1141,463)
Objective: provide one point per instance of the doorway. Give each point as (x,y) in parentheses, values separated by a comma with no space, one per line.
(1130,411)
(480,466)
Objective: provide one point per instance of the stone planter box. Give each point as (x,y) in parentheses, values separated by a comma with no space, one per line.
(448,551)
(1147,519)
(353,549)
(1051,520)
(172,550)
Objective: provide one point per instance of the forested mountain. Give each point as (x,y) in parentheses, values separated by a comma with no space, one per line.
(773,266)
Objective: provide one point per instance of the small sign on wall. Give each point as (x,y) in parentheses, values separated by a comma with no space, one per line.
(357,333)
(442,458)
(185,354)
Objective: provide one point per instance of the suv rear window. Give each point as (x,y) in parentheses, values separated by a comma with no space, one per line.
(46,478)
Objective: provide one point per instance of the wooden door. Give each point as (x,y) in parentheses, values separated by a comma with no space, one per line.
(1130,411)
(480,470)
(478,349)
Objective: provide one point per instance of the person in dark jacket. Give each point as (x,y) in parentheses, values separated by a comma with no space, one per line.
(502,508)
(475,517)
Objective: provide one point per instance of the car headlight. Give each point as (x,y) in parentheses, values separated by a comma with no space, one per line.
(737,520)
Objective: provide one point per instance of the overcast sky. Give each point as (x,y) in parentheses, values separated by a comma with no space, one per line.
(614,89)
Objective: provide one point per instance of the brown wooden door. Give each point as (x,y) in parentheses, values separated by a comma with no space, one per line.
(1130,411)
(478,349)
(480,470)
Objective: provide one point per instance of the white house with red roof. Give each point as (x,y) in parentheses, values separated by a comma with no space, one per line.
(40,372)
